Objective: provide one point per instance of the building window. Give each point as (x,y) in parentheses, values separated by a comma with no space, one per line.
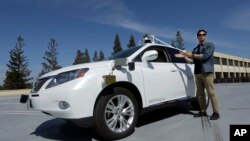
(217,75)
(242,75)
(237,75)
(217,60)
(236,63)
(241,64)
(249,65)
(231,75)
(245,64)
(230,62)
(225,74)
(224,61)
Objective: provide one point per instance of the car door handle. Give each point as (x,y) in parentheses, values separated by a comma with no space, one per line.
(173,70)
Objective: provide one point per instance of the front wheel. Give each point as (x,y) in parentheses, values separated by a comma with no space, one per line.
(116,114)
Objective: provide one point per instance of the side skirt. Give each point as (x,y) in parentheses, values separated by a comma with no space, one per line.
(167,104)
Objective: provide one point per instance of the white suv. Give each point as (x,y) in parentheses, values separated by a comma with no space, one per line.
(109,95)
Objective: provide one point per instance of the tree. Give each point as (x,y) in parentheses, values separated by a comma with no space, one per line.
(79,57)
(179,41)
(95,58)
(50,58)
(101,56)
(86,56)
(173,43)
(18,74)
(131,42)
(117,44)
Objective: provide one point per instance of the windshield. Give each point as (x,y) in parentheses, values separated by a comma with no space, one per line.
(124,54)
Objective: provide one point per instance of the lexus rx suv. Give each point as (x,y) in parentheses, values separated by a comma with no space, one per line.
(109,95)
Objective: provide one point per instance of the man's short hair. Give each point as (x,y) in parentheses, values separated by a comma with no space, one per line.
(201,30)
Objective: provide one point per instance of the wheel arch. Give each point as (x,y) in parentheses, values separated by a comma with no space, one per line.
(127,85)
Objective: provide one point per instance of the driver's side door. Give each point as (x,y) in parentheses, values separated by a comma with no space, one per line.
(160,78)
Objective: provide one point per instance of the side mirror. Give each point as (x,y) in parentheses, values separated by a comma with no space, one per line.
(150,55)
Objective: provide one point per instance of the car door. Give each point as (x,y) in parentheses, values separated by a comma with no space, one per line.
(185,71)
(161,78)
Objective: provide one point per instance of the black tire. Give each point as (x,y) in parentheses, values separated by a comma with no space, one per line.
(103,114)
(195,103)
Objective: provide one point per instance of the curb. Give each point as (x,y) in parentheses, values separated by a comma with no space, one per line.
(14,92)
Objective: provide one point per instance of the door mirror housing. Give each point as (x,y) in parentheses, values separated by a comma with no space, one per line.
(150,55)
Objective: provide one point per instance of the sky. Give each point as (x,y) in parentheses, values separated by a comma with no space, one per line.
(92,25)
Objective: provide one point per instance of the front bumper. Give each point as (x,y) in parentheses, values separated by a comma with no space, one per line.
(75,100)
(82,122)
(36,102)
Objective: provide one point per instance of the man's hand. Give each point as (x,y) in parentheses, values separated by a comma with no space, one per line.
(182,54)
(186,54)
(179,55)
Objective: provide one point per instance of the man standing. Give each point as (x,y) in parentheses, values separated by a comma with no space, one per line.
(202,57)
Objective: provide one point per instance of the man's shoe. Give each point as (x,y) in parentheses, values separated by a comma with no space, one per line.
(200,114)
(215,116)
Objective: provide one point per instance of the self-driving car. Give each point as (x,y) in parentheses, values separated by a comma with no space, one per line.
(110,95)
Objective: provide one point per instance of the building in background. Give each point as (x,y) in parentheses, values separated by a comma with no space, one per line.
(230,68)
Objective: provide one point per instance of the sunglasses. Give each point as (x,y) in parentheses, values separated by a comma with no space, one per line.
(201,34)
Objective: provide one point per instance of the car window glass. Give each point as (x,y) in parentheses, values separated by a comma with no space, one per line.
(138,58)
(161,56)
(123,54)
(172,52)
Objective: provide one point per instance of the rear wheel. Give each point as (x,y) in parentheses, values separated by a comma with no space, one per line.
(116,114)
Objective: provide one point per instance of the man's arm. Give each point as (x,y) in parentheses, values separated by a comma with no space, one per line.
(208,52)
(192,55)
(189,60)
(203,57)
(183,55)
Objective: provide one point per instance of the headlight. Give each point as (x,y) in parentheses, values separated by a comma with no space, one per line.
(66,76)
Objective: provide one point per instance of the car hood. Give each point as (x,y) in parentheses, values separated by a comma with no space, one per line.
(102,64)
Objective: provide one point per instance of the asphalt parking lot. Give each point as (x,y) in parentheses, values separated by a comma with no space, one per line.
(172,123)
